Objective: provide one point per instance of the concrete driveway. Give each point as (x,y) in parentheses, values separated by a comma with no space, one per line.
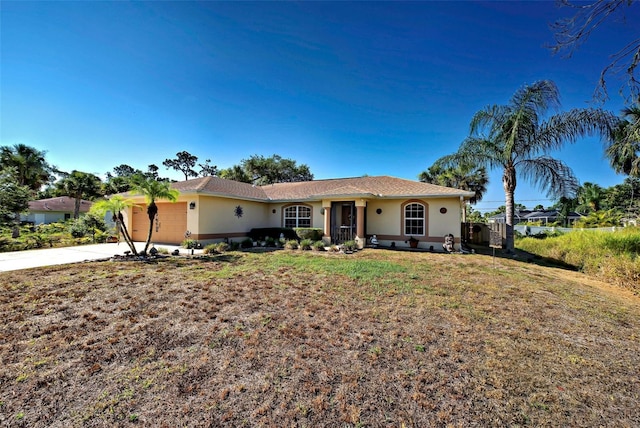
(58,256)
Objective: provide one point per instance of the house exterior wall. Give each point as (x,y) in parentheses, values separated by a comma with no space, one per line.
(388,226)
(216,218)
(44,217)
(277,219)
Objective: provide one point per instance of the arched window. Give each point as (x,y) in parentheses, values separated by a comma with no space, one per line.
(297,216)
(414,219)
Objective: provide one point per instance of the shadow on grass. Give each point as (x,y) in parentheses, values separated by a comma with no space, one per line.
(523,256)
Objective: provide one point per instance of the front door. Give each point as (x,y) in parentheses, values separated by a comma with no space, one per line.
(343,221)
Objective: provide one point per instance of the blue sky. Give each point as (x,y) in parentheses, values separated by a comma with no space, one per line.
(350,89)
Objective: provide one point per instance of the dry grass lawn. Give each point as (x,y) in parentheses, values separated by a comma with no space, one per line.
(284,339)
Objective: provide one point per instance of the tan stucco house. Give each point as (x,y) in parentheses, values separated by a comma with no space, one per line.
(211,209)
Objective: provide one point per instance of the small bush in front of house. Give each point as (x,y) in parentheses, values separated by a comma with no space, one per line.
(246,243)
(234,246)
(210,249)
(189,243)
(162,250)
(349,245)
(334,248)
(291,245)
(222,247)
(269,242)
(312,233)
(318,246)
(261,233)
(306,244)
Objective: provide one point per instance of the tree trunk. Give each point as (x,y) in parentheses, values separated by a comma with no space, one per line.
(509,184)
(152,212)
(76,207)
(125,234)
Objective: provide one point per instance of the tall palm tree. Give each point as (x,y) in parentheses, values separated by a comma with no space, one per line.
(624,148)
(115,205)
(517,139)
(152,191)
(79,185)
(32,169)
(465,177)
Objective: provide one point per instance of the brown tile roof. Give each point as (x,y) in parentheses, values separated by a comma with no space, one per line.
(380,186)
(59,204)
(221,187)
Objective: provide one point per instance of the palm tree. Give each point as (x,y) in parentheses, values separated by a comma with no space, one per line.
(32,169)
(465,177)
(590,197)
(115,205)
(625,144)
(517,139)
(79,185)
(153,190)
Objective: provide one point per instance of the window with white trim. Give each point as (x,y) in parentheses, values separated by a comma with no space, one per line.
(414,219)
(297,216)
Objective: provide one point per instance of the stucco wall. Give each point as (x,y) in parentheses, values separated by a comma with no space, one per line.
(216,216)
(277,220)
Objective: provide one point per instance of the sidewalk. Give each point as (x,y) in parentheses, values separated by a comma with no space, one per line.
(58,256)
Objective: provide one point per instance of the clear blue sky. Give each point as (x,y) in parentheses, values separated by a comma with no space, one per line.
(347,88)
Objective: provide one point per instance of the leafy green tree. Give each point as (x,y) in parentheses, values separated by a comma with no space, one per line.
(236,173)
(184,162)
(14,197)
(517,139)
(31,168)
(623,197)
(152,191)
(79,185)
(115,205)
(624,148)
(465,177)
(260,171)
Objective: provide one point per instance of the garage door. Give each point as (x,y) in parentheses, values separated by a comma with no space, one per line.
(170,224)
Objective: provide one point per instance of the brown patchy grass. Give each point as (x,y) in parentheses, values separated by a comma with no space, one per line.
(377,338)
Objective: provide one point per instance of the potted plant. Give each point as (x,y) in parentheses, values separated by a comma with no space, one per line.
(413,242)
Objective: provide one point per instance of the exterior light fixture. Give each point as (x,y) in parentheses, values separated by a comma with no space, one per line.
(192,205)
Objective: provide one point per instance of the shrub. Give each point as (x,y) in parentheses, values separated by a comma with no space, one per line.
(334,248)
(210,249)
(306,244)
(318,246)
(222,247)
(314,234)
(189,244)
(234,246)
(349,245)
(261,233)
(291,245)
(246,243)
(269,241)
(162,250)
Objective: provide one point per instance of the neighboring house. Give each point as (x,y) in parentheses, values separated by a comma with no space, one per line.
(212,209)
(540,216)
(45,211)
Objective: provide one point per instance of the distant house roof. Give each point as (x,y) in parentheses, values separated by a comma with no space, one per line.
(379,187)
(59,204)
(529,215)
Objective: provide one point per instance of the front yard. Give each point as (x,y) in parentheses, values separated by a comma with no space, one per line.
(378,338)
